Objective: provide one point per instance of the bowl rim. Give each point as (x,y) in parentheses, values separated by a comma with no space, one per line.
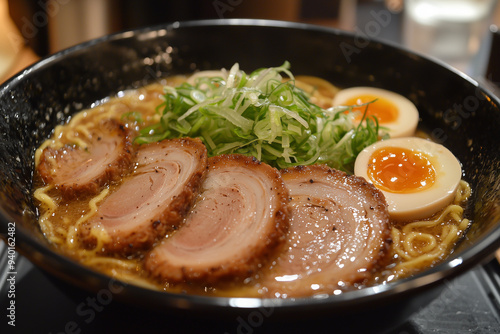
(455,264)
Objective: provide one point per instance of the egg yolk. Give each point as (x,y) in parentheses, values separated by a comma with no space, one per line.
(383,109)
(401,170)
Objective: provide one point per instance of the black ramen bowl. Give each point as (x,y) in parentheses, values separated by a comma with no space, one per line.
(453,108)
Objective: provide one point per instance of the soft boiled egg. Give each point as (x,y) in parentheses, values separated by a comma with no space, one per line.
(393,111)
(418,177)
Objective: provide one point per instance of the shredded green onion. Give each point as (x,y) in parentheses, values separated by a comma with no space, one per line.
(261,115)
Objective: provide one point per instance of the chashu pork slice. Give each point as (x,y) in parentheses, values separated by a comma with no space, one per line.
(237,222)
(153,199)
(339,231)
(76,171)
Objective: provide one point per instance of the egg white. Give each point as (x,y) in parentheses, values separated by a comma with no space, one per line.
(424,203)
(407,120)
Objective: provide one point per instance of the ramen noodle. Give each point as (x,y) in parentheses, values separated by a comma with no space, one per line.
(416,245)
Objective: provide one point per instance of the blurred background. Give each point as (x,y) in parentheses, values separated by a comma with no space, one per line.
(455,31)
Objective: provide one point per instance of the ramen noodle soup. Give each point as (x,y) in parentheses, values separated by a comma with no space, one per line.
(224,183)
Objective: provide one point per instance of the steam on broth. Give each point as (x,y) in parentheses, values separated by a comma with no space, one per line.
(148,115)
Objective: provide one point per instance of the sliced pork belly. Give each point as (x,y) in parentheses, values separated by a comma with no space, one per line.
(154,198)
(338,232)
(76,171)
(239,219)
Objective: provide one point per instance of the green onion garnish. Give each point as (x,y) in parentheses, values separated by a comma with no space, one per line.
(261,115)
